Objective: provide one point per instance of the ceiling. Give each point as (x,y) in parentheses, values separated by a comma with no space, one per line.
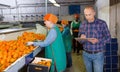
(61,2)
(4,6)
(74,2)
(68,2)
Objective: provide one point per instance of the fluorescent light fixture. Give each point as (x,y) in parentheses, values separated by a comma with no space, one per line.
(55,4)
(52,1)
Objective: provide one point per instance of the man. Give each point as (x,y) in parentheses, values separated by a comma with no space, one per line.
(54,46)
(94,34)
(75,29)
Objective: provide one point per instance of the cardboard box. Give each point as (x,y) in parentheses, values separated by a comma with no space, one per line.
(36,67)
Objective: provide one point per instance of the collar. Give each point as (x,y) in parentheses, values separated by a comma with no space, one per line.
(53,26)
(92,22)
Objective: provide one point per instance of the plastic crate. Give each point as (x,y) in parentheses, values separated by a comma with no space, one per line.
(114,40)
(107,60)
(111,47)
(110,66)
(114,59)
(111,59)
(114,46)
(108,47)
(111,70)
(33,67)
(108,53)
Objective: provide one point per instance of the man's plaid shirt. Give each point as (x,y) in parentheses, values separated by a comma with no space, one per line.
(97,29)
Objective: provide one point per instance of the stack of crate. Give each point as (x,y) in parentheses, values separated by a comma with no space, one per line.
(111,56)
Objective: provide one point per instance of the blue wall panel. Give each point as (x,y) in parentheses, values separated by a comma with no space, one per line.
(74,9)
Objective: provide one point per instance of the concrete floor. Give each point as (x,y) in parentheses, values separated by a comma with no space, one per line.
(78,64)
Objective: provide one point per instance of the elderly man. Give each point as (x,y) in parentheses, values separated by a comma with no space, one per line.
(94,34)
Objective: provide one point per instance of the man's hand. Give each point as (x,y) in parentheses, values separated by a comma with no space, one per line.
(29,43)
(93,40)
(83,36)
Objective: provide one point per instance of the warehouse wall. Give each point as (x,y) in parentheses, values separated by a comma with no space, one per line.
(19,13)
(118,26)
(115,23)
(103,10)
(113,20)
(8,2)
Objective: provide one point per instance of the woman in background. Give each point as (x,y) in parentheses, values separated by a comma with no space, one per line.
(67,39)
(75,24)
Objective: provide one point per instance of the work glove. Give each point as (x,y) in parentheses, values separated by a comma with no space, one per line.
(29,43)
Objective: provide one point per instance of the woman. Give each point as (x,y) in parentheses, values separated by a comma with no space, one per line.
(67,38)
(54,47)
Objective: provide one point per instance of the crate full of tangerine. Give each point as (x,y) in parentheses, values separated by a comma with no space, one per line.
(39,65)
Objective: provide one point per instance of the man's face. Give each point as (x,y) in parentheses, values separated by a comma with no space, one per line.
(89,14)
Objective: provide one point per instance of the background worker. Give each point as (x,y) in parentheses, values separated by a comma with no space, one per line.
(54,46)
(97,30)
(67,38)
(75,29)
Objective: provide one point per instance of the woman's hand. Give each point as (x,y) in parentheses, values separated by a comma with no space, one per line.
(29,43)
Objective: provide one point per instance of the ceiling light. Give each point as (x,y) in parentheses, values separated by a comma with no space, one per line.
(52,1)
(55,4)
